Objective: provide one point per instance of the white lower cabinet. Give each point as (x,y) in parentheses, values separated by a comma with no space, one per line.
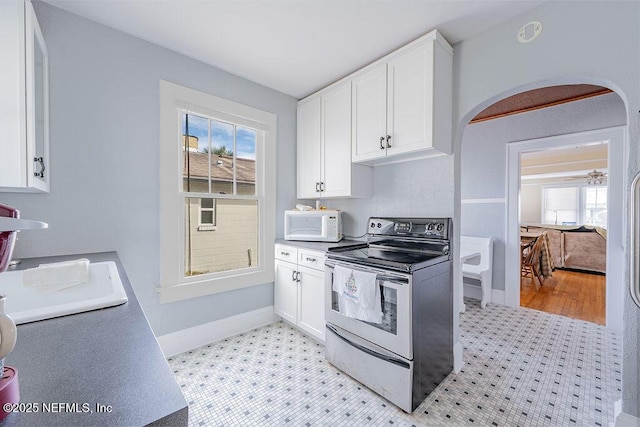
(299,288)
(286,291)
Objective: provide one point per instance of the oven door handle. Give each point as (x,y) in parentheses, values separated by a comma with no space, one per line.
(384,357)
(392,279)
(381,276)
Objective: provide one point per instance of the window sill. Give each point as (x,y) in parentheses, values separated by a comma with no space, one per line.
(210,286)
(206,228)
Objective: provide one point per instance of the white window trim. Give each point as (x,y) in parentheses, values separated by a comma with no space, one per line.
(173,285)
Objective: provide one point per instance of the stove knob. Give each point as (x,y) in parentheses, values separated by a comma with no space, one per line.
(439,227)
(379,225)
(373,225)
(429,227)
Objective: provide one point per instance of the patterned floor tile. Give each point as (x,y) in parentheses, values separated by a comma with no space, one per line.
(522,368)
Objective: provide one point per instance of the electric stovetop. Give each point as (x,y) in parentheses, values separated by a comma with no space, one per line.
(394,260)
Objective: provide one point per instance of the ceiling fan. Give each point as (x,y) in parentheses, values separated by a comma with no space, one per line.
(594,177)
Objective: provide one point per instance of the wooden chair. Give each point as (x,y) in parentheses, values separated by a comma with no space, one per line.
(531,263)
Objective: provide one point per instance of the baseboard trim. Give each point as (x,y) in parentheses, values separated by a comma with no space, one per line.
(458,360)
(498,296)
(475,292)
(187,339)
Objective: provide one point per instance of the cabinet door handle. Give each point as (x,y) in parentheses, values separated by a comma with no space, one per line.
(321,186)
(284,253)
(298,276)
(311,259)
(382,142)
(41,161)
(293,276)
(317,187)
(388,143)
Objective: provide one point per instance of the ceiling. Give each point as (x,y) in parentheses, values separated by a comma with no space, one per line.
(564,164)
(294,46)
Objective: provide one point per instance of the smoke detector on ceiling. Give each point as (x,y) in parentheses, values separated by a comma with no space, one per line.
(529,32)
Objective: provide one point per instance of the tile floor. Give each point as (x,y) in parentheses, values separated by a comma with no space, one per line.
(522,368)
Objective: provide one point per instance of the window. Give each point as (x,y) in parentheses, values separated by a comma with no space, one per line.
(575,206)
(207,214)
(595,210)
(217,187)
(560,205)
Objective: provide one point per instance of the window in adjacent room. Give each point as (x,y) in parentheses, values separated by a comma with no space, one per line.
(595,207)
(577,205)
(560,205)
(217,194)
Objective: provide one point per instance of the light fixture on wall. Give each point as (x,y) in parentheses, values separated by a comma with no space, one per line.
(596,178)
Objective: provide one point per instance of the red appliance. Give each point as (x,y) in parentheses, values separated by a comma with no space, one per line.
(7,238)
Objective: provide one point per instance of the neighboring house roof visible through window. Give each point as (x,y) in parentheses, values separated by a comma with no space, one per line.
(221,167)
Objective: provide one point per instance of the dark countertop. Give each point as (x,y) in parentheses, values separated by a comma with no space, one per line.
(318,246)
(108,357)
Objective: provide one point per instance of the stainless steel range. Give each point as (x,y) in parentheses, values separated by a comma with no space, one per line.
(389,308)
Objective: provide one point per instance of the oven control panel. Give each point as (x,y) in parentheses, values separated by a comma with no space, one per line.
(415,227)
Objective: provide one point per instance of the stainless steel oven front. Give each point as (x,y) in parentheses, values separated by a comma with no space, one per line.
(394,332)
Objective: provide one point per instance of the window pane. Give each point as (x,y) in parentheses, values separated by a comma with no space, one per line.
(232,245)
(206,217)
(601,197)
(561,198)
(222,157)
(195,146)
(206,203)
(591,197)
(246,161)
(595,212)
(561,205)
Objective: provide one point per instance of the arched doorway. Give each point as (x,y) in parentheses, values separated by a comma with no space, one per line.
(487,189)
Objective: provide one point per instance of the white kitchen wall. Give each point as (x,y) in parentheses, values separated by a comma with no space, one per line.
(422,188)
(104,103)
(581,42)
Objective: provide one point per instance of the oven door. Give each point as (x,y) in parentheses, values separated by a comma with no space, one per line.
(394,333)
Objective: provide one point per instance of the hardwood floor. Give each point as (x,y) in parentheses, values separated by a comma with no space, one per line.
(568,293)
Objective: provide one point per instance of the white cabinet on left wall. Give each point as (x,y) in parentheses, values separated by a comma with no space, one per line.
(324,167)
(299,288)
(24,100)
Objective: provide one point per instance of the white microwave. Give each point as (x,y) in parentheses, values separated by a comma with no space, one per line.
(313,225)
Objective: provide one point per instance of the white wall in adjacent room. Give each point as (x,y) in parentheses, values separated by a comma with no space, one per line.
(531,204)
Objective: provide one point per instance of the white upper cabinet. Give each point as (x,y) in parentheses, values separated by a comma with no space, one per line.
(24,100)
(324,148)
(403,105)
(401,109)
(370,113)
(309,149)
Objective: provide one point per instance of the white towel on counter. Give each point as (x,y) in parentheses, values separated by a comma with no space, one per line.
(359,294)
(57,276)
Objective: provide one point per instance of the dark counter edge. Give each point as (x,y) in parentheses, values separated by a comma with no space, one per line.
(108,356)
